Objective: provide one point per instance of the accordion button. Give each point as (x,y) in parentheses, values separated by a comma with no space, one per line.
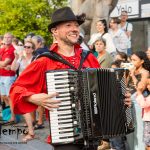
(73,105)
(71,88)
(75,123)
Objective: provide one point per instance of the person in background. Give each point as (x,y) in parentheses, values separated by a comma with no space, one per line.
(144,102)
(116,64)
(119,37)
(127,28)
(121,56)
(7,76)
(139,73)
(82,42)
(15,42)
(104,58)
(40,48)
(22,61)
(102,31)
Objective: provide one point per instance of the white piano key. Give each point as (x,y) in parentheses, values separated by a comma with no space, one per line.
(65,103)
(62,130)
(66,98)
(67,140)
(53,127)
(59,86)
(62,112)
(57,81)
(65,107)
(61,121)
(58,77)
(60,90)
(61,117)
(57,135)
(64,94)
(57,73)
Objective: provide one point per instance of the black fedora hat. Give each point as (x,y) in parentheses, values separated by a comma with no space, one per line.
(64,14)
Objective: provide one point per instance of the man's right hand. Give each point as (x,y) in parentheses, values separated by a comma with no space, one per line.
(45,100)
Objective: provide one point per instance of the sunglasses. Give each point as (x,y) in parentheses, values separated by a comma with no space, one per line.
(20,44)
(2,43)
(28,47)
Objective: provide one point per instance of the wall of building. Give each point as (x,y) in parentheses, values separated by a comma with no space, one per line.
(139,16)
(140,35)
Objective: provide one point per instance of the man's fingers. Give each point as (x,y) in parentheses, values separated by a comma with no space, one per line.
(50,106)
(51,101)
(54,94)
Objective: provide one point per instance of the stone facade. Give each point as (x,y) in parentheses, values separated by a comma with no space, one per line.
(94,10)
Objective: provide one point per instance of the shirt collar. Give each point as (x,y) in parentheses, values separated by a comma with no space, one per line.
(77,48)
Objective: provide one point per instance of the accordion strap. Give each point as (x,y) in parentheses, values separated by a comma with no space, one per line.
(57,57)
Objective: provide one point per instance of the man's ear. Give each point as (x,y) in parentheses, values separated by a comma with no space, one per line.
(54,30)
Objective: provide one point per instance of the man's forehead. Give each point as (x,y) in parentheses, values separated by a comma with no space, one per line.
(8,35)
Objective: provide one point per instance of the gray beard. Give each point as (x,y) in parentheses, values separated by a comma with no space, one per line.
(68,42)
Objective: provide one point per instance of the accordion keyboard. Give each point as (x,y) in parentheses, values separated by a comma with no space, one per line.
(63,120)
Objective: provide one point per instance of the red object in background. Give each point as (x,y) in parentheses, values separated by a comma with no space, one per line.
(48,139)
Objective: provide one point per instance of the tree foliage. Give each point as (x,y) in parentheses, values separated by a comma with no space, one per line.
(21,17)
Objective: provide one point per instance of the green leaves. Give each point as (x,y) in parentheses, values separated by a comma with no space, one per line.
(24,16)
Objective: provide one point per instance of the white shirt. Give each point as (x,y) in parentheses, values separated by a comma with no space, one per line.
(127,27)
(120,40)
(110,47)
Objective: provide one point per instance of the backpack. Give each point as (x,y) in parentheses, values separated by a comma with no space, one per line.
(54,56)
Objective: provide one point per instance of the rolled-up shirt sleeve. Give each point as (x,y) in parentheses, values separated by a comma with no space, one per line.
(31,81)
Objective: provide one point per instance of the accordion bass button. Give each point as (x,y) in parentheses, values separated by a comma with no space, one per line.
(75,122)
(73,105)
(71,88)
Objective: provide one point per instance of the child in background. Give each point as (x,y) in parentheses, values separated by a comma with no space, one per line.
(121,56)
(144,102)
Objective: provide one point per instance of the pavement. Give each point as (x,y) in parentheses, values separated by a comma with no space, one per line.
(11,138)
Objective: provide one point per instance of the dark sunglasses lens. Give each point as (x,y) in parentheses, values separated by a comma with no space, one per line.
(27,47)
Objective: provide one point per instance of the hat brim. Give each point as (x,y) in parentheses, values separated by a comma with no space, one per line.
(52,25)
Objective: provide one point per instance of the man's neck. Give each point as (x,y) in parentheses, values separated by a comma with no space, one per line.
(66,50)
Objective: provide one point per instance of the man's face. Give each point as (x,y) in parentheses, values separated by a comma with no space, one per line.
(124,16)
(67,32)
(8,39)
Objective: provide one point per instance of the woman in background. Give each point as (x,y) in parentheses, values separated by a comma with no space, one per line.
(22,61)
(102,31)
(104,58)
(139,73)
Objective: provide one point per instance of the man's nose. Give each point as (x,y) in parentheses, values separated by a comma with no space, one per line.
(75,28)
